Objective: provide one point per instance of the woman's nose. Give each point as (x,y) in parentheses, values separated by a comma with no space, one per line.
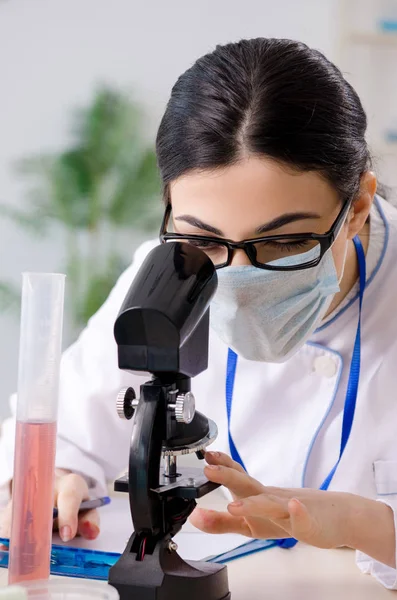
(240,258)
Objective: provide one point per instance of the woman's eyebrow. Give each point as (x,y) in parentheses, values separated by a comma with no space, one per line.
(285,220)
(195,222)
(272,225)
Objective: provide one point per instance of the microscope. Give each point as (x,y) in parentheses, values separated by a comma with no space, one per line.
(163,329)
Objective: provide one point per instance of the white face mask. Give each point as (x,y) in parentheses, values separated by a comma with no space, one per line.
(268,315)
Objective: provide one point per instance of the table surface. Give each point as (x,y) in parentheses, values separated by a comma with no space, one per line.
(301,573)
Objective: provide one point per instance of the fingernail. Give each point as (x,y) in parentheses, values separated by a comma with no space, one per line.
(215,454)
(213,467)
(65,533)
(89,530)
(237,504)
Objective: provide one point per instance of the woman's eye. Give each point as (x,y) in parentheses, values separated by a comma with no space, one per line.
(204,245)
(287,245)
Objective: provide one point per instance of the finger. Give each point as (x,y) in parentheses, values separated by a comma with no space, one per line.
(219,458)
(212,521)
(302,524)
(5,521)
(88,526)
(262,505)
(72,490)
(239,483)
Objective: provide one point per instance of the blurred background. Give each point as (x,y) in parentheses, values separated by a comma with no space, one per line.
(83,87)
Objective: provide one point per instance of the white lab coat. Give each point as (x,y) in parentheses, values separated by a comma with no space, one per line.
(286,418)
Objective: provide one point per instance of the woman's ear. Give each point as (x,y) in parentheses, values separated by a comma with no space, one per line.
(362,205)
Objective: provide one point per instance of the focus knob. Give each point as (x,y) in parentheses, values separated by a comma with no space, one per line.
(185,408)
(126,403)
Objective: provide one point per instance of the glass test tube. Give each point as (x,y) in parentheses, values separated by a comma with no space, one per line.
(35,439)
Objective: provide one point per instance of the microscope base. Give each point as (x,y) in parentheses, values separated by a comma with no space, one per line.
(164,575)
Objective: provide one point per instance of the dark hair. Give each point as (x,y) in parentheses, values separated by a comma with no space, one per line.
(270,97)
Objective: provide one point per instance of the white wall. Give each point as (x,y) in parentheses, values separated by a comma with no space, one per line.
(52,53)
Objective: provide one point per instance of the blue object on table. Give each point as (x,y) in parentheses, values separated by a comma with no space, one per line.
(87,505)
(94,564)
(388,25)
(244,550)
(73,562)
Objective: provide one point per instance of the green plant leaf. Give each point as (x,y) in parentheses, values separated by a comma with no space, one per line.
(108,129)
(137,197)
(10,297)
(52,188)
(73,189)
(106,178)
(32,222)
(98,289)
(63,187)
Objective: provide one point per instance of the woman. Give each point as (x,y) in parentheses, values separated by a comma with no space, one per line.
(264,140)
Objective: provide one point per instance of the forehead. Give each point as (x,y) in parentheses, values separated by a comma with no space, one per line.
(252,191)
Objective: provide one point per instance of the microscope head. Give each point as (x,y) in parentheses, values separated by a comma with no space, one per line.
(163,324)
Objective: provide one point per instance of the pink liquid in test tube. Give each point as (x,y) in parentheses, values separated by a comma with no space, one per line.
(35,441)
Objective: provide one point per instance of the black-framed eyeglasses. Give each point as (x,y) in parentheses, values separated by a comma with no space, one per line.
(288,252)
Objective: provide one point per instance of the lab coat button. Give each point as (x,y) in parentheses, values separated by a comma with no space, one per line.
(326,366)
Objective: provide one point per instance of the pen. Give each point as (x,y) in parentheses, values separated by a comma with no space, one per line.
(87,505)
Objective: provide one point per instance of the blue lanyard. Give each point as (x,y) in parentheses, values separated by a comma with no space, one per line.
(351,394)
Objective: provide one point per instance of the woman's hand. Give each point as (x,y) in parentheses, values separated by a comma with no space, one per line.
(318,518)
(70,491)
(323,519)
(233,476)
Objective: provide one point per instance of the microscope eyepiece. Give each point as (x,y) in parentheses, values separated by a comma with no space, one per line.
(163,323)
